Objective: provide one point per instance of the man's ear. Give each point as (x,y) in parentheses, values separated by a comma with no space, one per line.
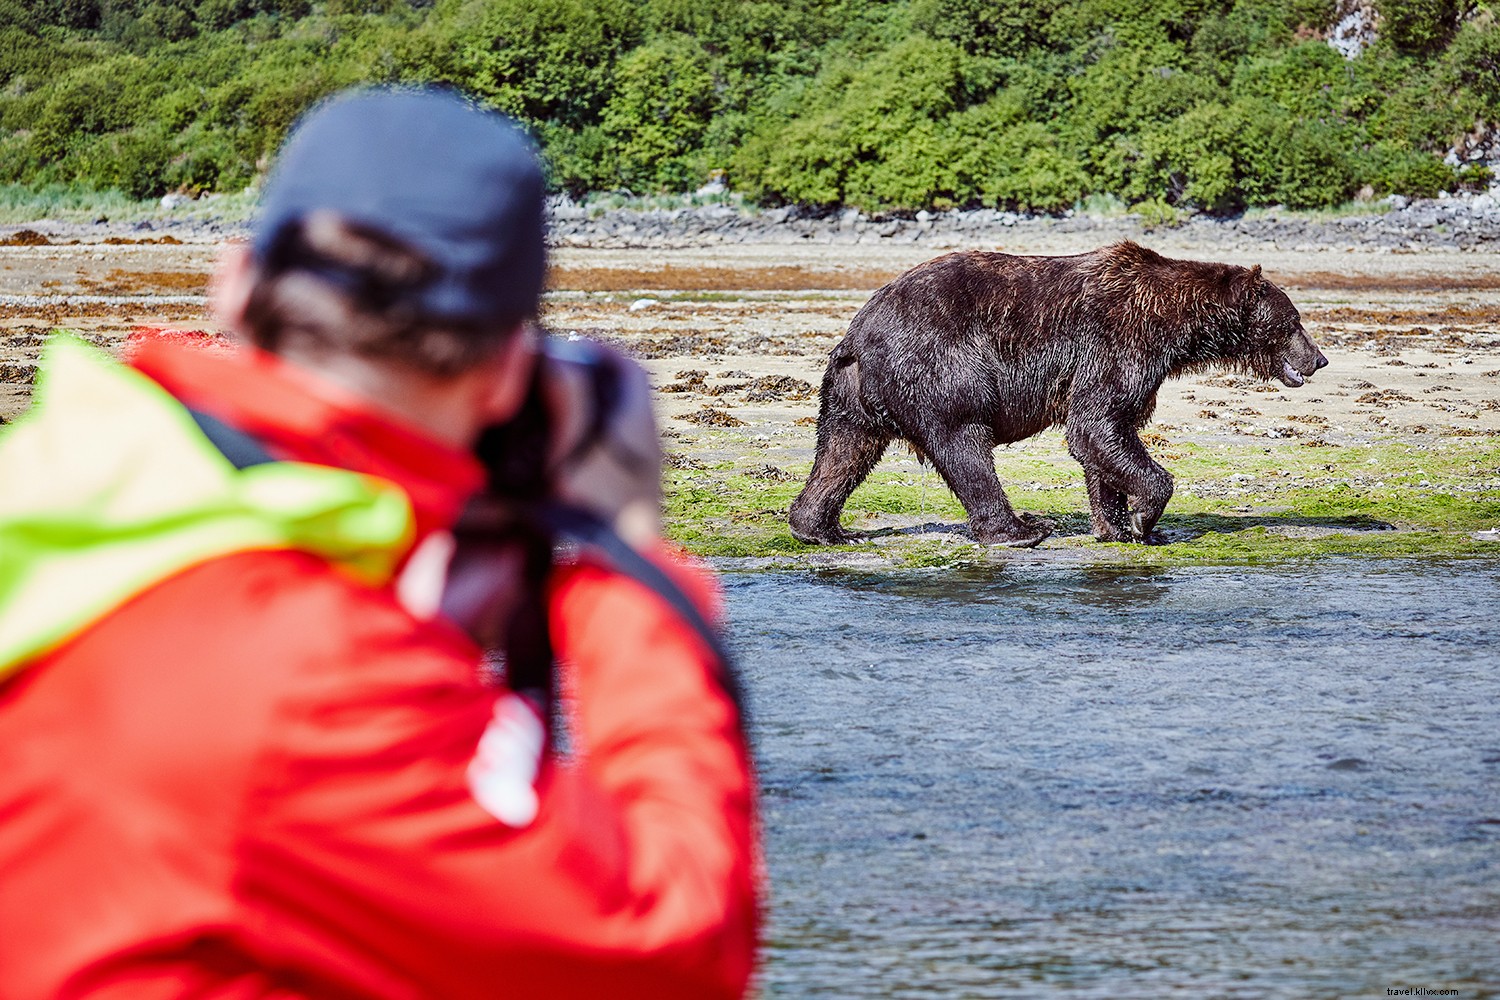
(510,373)
(229,290)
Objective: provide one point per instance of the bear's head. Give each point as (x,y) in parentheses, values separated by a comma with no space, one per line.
(1280,347)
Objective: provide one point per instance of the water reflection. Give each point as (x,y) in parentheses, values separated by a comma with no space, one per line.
(1125,783)
(1123,587)
(1118,586)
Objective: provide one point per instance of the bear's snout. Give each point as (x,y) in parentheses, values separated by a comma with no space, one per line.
(1302,358)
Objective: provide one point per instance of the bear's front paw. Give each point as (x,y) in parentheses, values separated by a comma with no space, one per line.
(1024,532)
(824,536)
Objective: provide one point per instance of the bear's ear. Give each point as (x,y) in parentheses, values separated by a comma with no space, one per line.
(1255,283)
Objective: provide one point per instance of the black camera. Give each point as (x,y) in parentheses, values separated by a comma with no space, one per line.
(506,538)
(522,456)
(509,535)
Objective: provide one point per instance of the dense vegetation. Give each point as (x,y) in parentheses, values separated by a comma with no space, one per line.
(1207,105)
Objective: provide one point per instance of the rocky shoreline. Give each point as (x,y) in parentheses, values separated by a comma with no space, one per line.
(1465,222)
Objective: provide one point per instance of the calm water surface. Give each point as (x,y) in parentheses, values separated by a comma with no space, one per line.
(1192,782)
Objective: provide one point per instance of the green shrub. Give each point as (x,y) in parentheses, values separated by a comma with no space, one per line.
(867,135)
(1419,26)
(986,27)
(1191,161)
(544,60)
(1400,171)
(1314,170)
(1156,213)
(1473,61)
(658,114)
(888,105)
(133,161)
(1000,159)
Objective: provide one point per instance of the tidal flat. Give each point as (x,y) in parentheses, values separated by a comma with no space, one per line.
(1392,450)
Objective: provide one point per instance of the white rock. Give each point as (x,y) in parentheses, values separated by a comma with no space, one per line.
(640,304)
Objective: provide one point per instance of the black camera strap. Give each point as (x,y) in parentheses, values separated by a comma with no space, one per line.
(586,529)
(239,448)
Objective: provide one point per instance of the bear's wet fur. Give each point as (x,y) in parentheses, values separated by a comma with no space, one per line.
(974,350)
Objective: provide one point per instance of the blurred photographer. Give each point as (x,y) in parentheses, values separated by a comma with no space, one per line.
(248,747)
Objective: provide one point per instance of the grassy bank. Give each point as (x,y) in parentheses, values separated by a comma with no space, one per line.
(1235,504)
(21,203)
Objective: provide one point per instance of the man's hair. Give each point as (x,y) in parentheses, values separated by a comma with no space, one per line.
(333,287)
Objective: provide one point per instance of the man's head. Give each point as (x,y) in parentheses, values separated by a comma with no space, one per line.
(400,230)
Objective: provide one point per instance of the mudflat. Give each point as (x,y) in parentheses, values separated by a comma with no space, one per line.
(1393,449)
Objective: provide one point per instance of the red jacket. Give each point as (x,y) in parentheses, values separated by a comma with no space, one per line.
(249,778)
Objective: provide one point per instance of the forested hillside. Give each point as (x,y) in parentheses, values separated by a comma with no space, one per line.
(1205,105)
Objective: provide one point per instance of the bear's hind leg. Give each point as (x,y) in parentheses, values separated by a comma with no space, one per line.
(966,461)
(847,451)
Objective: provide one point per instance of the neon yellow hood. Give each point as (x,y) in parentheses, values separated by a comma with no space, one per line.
(108,486)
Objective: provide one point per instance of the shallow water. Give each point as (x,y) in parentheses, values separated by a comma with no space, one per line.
(1187,782)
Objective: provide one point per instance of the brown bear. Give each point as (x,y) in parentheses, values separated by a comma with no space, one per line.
(973,350)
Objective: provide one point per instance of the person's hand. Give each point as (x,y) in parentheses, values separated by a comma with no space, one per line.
(605,453)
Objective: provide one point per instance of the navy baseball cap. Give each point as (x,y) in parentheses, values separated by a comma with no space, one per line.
(457,184)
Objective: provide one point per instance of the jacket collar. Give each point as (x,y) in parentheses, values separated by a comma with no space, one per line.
(112,486)
(297,416)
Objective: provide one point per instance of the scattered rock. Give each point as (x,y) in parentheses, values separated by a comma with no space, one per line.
(771,472)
